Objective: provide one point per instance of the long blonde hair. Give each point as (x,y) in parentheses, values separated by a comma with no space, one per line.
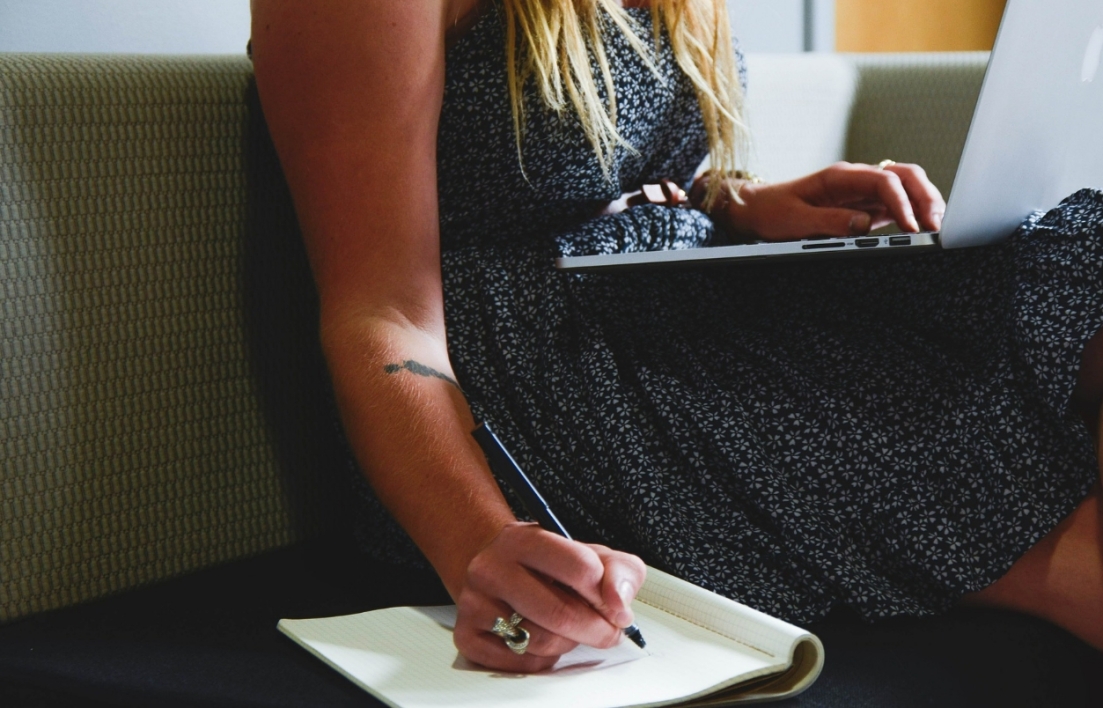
(556,41)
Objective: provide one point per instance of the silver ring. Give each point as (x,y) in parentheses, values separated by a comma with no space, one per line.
(516,638)
(883,164)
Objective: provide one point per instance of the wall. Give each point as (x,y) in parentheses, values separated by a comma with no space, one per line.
(784,25)
(222,26)
(911,26)
(130,26)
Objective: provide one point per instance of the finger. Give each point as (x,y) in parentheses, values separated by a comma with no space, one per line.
(824,221)
(624,575)
(880,218)
(572,564)
(477,614)
(890,189)
(536,598)
(564,613)
(925,197)
(544,642)
(845,183)
(482,613)
(490,651)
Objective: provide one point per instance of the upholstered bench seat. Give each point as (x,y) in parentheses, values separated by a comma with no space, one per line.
(170,467)
(210,639)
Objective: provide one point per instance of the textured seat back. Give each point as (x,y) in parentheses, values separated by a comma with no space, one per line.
(915,108)
(807,111)
(135,273)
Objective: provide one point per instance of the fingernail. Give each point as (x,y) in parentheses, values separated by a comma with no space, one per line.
(624,617)
(938,222)
(860,223)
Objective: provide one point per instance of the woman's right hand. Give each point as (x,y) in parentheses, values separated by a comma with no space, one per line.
(568,593)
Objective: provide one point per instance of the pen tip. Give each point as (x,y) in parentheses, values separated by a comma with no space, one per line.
(636,636)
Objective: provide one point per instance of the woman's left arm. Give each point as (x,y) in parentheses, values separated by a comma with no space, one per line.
(842,200)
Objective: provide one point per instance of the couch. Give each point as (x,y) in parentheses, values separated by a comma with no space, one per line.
(170,473)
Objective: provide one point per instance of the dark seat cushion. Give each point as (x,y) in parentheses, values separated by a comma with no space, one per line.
(210,639)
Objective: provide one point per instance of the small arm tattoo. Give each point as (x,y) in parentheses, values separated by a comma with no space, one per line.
(420,370)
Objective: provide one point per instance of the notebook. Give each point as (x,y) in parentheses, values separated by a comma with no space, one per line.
(1034,139)
(702,650)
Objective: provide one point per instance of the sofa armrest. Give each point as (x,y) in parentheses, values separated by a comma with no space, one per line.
(798,108)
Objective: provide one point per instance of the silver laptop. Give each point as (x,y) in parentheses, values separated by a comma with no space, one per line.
(1036,137)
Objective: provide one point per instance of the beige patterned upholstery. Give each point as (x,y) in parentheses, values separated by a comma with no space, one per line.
(916,108)
(158,371)
(133,447)
(809,110)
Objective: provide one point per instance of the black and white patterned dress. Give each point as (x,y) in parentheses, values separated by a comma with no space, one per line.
(885,434)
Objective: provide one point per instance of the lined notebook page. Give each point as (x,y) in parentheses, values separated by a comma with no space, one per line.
(760,631)
(405,657)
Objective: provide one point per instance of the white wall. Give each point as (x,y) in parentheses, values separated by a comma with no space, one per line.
(222,26)
(821,35)
(130,26)
(784,25)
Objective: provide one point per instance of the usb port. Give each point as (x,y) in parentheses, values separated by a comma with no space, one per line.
(900,240)
(866,242)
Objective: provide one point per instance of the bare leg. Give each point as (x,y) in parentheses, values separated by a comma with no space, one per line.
(1060,579)
(1088,394)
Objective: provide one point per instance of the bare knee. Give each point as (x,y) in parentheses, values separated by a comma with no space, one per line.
(1060,578)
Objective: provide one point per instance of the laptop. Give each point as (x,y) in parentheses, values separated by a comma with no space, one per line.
(1036,137)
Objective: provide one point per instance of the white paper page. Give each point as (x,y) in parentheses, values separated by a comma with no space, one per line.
(676,596)
(405,657)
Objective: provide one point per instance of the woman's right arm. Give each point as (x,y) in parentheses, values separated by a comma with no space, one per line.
(352,93)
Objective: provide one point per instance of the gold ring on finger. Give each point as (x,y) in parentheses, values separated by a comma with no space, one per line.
(884,164)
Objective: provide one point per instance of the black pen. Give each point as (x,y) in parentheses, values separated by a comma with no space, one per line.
(503,465)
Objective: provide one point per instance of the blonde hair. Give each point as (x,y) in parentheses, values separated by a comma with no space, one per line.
(556,41)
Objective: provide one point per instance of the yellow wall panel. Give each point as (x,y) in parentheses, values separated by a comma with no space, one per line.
(916,25)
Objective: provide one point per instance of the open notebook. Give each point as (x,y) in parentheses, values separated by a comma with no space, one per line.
(702,650)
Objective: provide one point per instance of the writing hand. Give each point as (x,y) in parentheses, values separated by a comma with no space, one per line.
(842,200)
(568,593)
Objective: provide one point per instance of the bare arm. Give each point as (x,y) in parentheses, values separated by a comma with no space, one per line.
(352,93)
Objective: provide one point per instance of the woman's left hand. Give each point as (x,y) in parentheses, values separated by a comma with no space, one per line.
(842,200)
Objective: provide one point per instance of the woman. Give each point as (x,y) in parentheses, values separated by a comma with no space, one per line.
(786,436)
